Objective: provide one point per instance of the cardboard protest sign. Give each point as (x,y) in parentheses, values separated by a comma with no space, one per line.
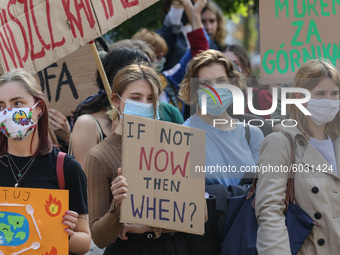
(31,221)
(70,80)
(292,32)
(34,34)
(158,163)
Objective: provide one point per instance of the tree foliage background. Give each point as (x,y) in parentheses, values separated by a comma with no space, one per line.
(151,18)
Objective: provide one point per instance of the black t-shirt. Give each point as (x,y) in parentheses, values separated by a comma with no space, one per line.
(43,174)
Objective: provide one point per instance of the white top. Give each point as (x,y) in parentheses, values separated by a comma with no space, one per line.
(326,149)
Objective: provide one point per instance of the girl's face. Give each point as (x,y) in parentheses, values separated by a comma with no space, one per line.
(14,95)
(139,91)
(326,89)
(210,23)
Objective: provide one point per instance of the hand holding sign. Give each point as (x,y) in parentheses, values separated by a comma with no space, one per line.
(135,229)
(119,187)
(70,220)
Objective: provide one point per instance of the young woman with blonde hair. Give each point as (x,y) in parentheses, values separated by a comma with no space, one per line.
(135,91)
(316,140)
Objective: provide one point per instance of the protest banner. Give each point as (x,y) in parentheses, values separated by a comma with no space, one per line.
(69,81)
(292,32)
(31,221)
(159,161)
(36,33)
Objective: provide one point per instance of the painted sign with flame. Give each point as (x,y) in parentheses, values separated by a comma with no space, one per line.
(31,221)
(53,206)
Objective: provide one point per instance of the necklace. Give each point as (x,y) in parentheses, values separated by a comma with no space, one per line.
(21,176)
(22,169)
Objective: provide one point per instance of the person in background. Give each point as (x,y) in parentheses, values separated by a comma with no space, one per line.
(316,140)
(135,44)
(214,23)
(27,157)
(60,126)
(226,144)
(157,44)
(93,125)
(262,98)
(167,111)
(176,25)
(136,84)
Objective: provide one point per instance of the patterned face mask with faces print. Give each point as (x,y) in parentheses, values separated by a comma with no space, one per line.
(17,123)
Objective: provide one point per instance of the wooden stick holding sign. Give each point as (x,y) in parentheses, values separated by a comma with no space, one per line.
(101,71)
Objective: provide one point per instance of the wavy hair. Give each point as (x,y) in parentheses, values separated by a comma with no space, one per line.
(206,58)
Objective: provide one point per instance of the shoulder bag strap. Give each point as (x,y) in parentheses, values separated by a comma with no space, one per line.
(60,169)
(290,193)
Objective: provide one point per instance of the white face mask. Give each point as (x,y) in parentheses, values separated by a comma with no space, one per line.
(17,123)
(323,110)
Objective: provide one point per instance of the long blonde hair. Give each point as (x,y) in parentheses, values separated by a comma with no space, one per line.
(221,31)
(308,76)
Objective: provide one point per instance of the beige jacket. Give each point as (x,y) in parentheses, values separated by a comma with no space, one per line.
(317,192)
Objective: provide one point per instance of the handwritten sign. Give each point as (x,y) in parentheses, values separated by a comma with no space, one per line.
(67,82)
(292,32)
(70,80)
(36,33)
(30,221)
(159,161)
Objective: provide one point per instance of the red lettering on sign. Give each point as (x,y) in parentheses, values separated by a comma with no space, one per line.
(3,17)
(73,21)
(34,55)
(12,17)
(178,167)
(174,167)
(48,15)
(143,154)
(127,3)
(108,8)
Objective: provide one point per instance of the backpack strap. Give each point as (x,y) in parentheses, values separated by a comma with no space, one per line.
(247,134)
(60,169)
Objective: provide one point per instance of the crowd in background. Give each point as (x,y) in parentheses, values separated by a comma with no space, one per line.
(163,75)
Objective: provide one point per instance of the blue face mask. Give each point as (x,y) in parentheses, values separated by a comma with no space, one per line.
(214,106)
(139,109)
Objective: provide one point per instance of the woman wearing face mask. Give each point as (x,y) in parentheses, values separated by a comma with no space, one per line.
(226,144)
(135,91)
(317,154)
(27,157)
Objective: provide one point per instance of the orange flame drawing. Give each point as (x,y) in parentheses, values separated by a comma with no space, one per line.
(52,252)
(53,206)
